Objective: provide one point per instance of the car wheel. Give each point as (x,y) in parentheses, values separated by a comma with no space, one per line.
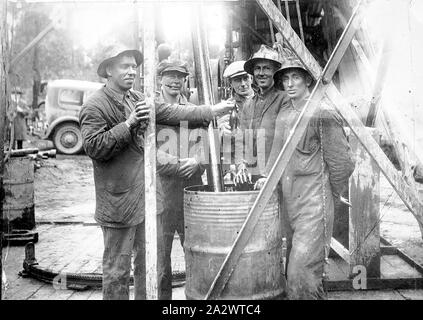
(67,138)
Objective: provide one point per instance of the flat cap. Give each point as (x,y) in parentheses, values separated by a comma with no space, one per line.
(175,65)
(236,68)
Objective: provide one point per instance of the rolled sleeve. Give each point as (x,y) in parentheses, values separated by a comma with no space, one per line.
(101,143)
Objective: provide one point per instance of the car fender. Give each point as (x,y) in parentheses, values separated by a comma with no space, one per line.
(57,122)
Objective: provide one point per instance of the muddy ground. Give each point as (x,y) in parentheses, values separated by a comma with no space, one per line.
(64,192)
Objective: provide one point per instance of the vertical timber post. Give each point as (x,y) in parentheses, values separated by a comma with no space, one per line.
(205,93)
(150,153)
(136,39)
(364,224)
(4,98)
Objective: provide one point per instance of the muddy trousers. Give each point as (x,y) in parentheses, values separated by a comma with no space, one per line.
(120,244)
(306,253)
(173,221)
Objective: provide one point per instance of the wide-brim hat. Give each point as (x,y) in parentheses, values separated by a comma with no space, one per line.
(264,53)
(174,65)
(290,63)
(235,69)
(101,70)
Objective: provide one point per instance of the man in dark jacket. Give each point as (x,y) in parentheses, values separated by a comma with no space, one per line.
(180,142)
(257,119)
(112,123)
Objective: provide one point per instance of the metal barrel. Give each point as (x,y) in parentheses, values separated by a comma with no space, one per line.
(18,206)
(212,223)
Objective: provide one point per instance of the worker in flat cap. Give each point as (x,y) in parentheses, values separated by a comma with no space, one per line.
(313,180)
(241,90)
(257,118)
(113,121)
(172,75)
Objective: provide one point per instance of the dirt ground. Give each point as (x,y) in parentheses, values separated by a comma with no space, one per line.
(64,190)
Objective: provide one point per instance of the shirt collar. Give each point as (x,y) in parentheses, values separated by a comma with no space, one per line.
(119,95)
(266,93)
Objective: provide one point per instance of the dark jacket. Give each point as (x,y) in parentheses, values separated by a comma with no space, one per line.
(183,141)
(118,154)
(257,122)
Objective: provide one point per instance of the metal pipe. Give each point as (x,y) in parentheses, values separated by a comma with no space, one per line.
(205,91)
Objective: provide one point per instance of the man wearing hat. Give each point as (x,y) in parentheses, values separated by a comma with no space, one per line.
(240,82)
(112,123)
(257,119)
(241,90)
(314,178)
(172,76)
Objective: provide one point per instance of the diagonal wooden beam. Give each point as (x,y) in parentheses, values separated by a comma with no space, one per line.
(403,189)
(278,168)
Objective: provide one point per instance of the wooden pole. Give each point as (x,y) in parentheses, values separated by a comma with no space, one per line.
(33,43)
(379,83)
(407,194)
(288,17)
(284,157)
(300,20)
(150,153)
(205,91)
(364,218)
(4,101)
(136,39)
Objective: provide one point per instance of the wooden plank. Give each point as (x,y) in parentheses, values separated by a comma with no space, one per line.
(205,92)
(278,168)
(150,153)
(393,266)
(340,250)
(375,284)
(407,194)
(4,101)
(364,223)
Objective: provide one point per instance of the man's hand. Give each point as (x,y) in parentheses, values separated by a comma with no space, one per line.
(259,183)
(141,113)
(243,175)
(222,108)
(188,167)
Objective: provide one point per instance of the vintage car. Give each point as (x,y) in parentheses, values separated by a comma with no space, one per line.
(63,102)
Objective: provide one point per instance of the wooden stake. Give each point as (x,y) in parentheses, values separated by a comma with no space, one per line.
(150,153)
(4,101)
(278,168)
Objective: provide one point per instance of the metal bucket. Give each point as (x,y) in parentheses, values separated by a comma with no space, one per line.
(212,223)
(18,206)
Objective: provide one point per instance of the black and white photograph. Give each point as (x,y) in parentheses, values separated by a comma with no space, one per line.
(234,152)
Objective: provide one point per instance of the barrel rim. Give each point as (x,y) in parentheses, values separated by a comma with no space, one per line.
(231,193)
